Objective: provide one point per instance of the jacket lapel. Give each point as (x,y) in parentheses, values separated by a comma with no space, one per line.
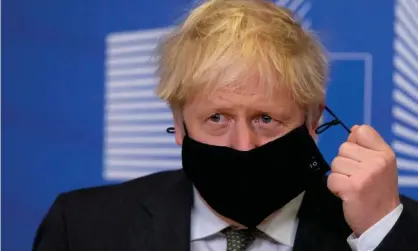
(321,222)
(170,210)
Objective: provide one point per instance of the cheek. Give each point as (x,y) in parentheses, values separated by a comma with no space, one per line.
(205,138)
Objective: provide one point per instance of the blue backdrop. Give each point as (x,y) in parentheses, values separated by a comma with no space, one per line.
(78,108)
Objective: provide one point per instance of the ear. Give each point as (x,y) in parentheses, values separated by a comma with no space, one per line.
(178,126)
(316,119)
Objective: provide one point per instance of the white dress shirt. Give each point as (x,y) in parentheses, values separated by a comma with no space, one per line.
(279,230)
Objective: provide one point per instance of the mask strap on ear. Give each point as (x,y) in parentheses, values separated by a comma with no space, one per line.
(335,121)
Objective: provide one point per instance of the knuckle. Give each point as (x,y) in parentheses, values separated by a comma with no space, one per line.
(366,126)
(364,130)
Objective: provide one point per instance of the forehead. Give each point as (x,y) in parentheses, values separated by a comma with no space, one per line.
(247,94)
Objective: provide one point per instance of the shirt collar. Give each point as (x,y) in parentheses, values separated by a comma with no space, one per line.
(204,222)
(281,226)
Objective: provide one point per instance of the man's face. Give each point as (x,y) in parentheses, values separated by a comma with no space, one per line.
(242,118)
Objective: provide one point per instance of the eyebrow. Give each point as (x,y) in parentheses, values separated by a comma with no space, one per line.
(281,113)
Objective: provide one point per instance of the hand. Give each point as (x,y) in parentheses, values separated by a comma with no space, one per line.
(364,175)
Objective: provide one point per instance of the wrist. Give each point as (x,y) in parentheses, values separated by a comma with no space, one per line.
(378,215)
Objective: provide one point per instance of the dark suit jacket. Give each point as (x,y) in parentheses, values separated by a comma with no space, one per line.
(153,213)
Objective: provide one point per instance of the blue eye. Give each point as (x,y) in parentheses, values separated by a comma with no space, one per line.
(266,119)
(216,117)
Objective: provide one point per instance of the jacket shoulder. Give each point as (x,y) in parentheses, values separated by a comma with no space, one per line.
(102,217)
(137,188)
(410,206)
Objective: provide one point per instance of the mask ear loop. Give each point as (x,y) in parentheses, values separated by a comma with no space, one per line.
(173,130)
(336,121)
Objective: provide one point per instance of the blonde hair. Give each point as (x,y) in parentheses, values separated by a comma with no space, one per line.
(223,42)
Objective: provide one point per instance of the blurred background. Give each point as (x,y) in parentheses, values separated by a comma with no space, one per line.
(78,108)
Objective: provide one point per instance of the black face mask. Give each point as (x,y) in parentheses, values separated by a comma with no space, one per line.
(248,186)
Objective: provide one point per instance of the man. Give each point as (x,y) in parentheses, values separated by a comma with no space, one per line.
(247,88)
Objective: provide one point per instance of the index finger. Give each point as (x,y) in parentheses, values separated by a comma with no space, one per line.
(352,137)
(367,137)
